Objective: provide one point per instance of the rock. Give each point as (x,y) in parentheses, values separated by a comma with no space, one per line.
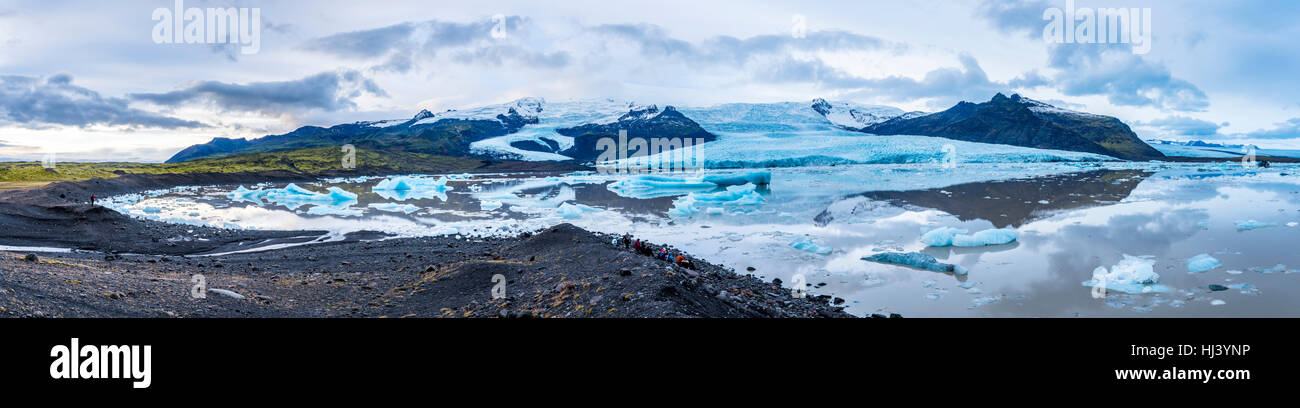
(227,293)
(749,268)
(31,258)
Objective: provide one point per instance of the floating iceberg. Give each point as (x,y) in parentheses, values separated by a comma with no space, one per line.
(941,237)
(488,205)
(1252,224)
(294,196)
(947,236)
(574,211)
(915,260)
(1132,275)
(654,186)
(807,245)
(402,188)
(332,210)
(734,196)
(1279,268)
(394,207)
(753,177)
(1202,263)
(986,237)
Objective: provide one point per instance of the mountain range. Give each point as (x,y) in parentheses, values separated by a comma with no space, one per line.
(534,129)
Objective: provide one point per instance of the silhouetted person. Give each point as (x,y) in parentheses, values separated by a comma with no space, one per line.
(92,200)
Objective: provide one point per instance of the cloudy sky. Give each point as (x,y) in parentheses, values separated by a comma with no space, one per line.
(87,80)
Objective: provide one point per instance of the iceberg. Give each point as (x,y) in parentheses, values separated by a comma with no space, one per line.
(986,237)
(394,207)
(734,196)
(807,245)
(334,210)
(915,260)
(753,177)
(948,236)
(574,211)
(654,186)
(941,237)
(294,196)
(488,205)
(1131,275)
(402,188)
(1202,263)
(1252,224)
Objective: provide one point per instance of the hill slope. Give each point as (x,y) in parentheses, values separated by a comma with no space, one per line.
(1020,121)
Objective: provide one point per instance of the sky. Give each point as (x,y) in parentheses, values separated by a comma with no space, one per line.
(91,80)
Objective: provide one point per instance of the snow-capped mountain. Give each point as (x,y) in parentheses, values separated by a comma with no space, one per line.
(854,116)
(535,129)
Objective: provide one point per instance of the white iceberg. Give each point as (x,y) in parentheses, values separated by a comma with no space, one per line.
(1132,275)
(394,207)
(948,236)
(574,211)
(488,205)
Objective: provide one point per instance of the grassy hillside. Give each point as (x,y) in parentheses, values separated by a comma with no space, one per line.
(322,160)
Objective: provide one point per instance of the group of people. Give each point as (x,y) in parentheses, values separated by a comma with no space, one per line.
(663,254)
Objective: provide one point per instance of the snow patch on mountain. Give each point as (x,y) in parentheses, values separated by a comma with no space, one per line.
(853,116)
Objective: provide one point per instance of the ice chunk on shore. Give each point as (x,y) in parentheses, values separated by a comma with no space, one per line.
(915,260)
(1132,275)
(1202,263)
(394,207)
(947,236)
(807,245)
(753,177)
(1252,224)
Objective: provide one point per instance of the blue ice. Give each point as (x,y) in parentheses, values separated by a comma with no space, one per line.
(1202,263)
(807,245)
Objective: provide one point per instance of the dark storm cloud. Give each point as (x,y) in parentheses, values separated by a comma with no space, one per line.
(35,103)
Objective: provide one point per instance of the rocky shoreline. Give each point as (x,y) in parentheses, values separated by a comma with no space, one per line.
(128,267)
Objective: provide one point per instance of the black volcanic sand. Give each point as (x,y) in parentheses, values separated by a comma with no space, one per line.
(141,268)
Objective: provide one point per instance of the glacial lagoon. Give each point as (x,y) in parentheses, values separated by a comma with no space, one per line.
(819,222)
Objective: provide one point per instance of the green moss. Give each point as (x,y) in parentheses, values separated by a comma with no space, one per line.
(315,161)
